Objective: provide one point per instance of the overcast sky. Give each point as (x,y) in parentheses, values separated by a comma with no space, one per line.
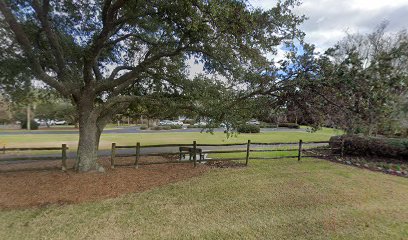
(329,19)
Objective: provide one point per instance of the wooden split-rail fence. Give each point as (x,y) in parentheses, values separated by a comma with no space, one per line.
(193,147)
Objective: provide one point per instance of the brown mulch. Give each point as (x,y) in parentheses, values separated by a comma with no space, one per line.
(32,187)
(225,164)
(391,166)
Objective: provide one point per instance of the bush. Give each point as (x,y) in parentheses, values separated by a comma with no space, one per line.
(34,124)
(175,126)
(372,146)
(161,128)
(143,127)
(267,125)
(189,121)
(289,125)
(248,128)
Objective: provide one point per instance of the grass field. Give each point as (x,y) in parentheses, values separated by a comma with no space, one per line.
(284,199)
(51,140)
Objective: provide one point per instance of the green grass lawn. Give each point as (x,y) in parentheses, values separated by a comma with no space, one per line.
(51,140)
(276,199)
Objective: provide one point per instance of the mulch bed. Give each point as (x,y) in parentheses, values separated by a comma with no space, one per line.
(26,185)
(225,164)
(386,165)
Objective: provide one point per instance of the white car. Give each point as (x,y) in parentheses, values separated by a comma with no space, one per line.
(253,122)
(177,122)
(165,122)
(60,122)
(200,124)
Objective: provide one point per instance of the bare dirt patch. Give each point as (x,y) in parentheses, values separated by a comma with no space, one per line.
(33,187)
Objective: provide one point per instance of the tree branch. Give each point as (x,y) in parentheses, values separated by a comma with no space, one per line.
(130,77)
(42,13)
(112,102)
(109,15)
(25,44)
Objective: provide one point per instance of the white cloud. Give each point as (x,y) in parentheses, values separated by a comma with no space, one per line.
(330,19)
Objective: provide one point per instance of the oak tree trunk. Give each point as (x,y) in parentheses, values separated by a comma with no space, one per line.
(90,129)
(88,145)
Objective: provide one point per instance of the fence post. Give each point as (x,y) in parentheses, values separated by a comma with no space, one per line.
(113,153)
(64,157)
(300,150)
(195,153)
(342,148)
(137,155)
(247,153)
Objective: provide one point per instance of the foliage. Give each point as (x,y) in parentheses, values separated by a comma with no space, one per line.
(106,55)
(56,111)
(175,126)
(33,124)
(358,85)
(289,125)
(267,125)
(372,146)
(161,128)
(248,128)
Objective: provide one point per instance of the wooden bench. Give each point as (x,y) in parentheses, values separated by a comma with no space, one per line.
(190,151)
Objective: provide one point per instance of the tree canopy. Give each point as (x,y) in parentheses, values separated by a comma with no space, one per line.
(106,55)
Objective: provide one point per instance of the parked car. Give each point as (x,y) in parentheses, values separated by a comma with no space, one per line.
(60,122)
(165,122)
(177,122)
(253,122)
(200,124)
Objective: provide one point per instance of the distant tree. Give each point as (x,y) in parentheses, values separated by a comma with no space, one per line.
(49,111)
(358,85)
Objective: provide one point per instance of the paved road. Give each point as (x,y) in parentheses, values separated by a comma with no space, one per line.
(121,130)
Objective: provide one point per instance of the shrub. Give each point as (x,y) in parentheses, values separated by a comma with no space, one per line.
(34,124)
(289,125)
(267,125)
(189,121)
(372,146)
(175,126)
(161,128)
(143,127)
(246,128)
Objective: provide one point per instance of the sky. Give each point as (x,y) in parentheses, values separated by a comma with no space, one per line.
(329,20)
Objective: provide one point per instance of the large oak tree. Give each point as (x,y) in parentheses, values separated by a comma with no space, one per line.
(105,55)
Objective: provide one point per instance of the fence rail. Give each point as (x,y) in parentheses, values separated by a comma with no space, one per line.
(302,152)
(63,157)
(194,150)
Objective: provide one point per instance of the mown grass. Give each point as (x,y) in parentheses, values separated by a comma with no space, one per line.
(276,199)
(51,140)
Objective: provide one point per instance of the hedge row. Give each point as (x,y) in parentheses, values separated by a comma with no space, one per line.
(247,128)
(33,125)
(289,125)
(166,127)
(372,146)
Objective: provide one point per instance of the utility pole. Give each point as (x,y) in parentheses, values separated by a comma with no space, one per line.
(28,117)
